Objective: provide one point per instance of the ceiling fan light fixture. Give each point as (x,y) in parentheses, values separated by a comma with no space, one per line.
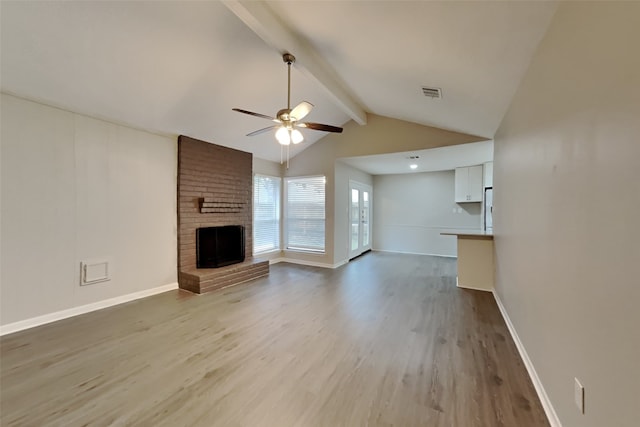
(283,136)
(289,119)
(296,136)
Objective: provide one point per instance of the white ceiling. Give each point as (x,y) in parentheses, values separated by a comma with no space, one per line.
(430,160)
(178,67)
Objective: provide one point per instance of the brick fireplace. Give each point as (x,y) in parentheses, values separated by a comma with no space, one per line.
(215,188)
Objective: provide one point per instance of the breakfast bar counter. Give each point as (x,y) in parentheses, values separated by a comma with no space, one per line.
(475,258)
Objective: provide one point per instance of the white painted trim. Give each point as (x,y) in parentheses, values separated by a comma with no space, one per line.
(414,253)
(542,394)
(309,263)
(264,254)
(362,188)
(341,263)
(472,287)
(75,311)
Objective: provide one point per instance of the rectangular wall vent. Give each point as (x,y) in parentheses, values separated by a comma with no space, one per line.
(94,272)
(432,92)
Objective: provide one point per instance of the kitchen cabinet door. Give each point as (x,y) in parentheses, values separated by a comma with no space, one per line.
(468,184)
(462,185)
(475,183)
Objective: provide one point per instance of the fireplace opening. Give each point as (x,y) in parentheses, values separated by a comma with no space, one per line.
(219,246)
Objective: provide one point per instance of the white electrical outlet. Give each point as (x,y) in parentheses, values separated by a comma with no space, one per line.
(578,395)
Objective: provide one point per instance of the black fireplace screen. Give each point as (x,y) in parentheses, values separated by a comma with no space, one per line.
(219,246)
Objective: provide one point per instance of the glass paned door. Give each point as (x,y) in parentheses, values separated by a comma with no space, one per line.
(366,226)
(359,218)
(355,219)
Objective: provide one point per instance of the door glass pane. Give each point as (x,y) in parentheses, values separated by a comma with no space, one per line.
(355,218)
(365,218)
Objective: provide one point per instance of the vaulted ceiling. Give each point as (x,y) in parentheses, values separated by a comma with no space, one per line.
(179,67)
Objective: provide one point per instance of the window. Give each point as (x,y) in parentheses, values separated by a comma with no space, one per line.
(266,213)
(305,215)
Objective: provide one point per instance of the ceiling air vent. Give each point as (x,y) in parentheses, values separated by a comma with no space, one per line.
(432,92)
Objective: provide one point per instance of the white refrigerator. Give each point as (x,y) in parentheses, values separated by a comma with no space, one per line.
(488,208)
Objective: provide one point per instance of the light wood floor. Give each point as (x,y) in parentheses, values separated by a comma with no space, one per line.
(387,340)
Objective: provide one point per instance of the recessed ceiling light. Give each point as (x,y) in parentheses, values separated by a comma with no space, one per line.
(413,166)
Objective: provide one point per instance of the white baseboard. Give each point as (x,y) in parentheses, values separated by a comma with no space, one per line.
(305,262)
(475,288)
(542,394)
(340,264)
(75,311)
(414,253)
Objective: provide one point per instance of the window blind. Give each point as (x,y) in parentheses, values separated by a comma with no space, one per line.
(305,213)
(266,213)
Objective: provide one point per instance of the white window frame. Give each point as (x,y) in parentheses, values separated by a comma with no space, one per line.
(278,219)
(285,226)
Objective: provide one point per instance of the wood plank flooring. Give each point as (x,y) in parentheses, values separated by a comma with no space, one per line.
(387,340)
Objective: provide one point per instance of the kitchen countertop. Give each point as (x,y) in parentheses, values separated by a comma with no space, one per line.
(468,233)
(475,258)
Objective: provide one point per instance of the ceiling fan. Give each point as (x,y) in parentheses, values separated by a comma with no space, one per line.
(288,120)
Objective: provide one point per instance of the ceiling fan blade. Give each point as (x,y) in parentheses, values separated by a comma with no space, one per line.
(320,126)
(263,130)
(251,113)
(301,110)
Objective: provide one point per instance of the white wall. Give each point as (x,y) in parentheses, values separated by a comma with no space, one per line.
(337,196)
(76,188)
(566,210)
(411,210)
(323,158)
(266,167)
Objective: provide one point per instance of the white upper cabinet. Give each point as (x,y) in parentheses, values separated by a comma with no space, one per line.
(468,184)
